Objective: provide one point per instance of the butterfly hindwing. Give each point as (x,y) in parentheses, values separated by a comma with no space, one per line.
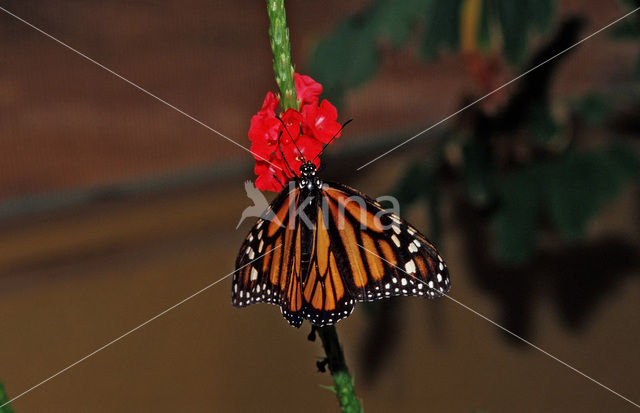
(325,289)
(267,267)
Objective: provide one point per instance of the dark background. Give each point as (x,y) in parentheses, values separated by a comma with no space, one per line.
(114,207)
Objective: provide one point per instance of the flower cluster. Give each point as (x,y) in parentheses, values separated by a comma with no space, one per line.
(308,128)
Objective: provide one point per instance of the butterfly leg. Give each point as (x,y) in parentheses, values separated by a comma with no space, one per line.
(312,333)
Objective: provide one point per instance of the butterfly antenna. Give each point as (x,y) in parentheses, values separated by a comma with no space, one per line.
(292,140)
(284,157)
(334,136)
(276,178)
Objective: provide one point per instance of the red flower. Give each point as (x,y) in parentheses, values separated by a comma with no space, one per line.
(321,121)
(277,149)
(270,103)
(292,120)
(269,178)
(307,89)
(308,148)
(265,129)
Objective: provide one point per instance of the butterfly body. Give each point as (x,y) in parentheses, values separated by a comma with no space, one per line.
(322,246)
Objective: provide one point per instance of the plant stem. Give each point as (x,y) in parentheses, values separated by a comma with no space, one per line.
(339,371)
(282,67)
(4,399)
(283,70)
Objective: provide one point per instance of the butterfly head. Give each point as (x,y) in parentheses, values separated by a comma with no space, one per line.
(308,178)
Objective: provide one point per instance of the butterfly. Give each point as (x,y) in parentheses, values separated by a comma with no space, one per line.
(321,247)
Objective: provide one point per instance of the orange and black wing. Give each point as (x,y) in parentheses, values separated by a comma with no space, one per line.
(325,288)
(268,264)
(364,253)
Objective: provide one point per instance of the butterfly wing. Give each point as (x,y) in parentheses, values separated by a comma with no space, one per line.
(381,255)
(325,289)
(268,264)
(359,252)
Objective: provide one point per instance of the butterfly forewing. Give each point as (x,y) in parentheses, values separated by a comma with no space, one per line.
(387,256)
(267,267)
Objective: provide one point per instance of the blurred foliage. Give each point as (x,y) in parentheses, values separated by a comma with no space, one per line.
(514,172)
(3,399)
(571,189)
(348,56)
(592,108)
(629,29)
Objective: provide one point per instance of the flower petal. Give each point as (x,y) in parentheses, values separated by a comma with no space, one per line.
(307,89)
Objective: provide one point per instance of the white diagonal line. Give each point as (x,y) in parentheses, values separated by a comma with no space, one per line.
(140,88)
(498,89)
(93,353)
(506,330)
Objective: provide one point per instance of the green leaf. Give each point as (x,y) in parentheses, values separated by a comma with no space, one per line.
(434,203)
(478,169)
(395,20)
(542,126)
(408,188)
(593,108)
(346,58)
(3,399)
(540,13)
(572,188)
(581,184)
(330,388)
(442,27)
(487,16)
(513,18)
(626,30)
(515,220)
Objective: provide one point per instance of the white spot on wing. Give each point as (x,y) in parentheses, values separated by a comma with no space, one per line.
(395,240)
(254,274)
(410,267)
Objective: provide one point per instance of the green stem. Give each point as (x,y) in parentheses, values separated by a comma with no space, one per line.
(282,67)
(283,70)
(4,401)
(339,371)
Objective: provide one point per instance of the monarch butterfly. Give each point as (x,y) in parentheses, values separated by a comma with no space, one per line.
(321,247)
